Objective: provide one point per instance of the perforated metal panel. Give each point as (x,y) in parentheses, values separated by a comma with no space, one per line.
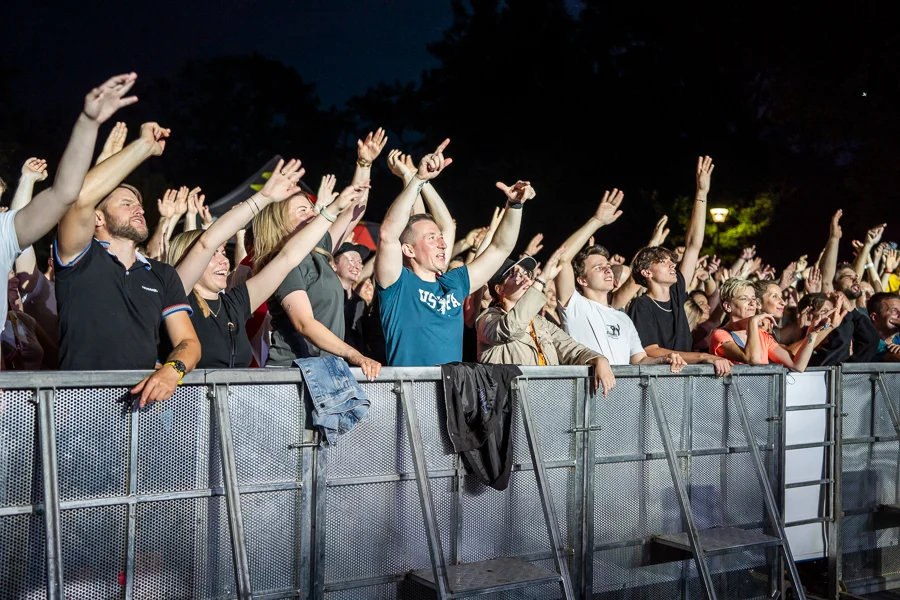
(634,496)
(174,442)
(19,467)
(93,543)
(870,551)
(92,437)
(273,539)
(390,513)
(23,564)
(265,420)
(183,550)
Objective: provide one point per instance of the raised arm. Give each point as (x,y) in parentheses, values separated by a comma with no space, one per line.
(279,187)
(864,258)
(389,258)
(39,217)
(694,240)
(484,266)
(403,167)
(366,152)
(828,262)
(34,170)
(606,213)
(264,284)
(77,226)
(400,165)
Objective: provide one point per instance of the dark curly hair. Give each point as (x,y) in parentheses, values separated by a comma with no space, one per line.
(645,259)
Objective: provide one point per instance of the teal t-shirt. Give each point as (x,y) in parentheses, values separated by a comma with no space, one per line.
(423,320)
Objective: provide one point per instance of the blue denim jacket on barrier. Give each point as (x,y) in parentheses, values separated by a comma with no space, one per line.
(338,402)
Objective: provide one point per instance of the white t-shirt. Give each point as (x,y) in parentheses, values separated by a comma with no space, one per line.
(9,251)
(601,328)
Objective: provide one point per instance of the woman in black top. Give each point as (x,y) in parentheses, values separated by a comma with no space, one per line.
(219,316)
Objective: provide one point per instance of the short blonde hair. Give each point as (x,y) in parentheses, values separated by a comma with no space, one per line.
(731,286)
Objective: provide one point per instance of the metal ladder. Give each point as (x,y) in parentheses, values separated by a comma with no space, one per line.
(720,540)
(499,574)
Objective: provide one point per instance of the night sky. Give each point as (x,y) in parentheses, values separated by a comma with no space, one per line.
(829,147)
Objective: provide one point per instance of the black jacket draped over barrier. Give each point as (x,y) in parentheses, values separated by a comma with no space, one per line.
(479,418)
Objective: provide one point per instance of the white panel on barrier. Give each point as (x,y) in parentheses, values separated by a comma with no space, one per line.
(805,427)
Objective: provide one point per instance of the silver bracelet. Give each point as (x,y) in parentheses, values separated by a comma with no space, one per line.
(328,216)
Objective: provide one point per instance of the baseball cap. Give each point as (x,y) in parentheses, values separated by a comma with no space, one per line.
(364,251)
(527,262)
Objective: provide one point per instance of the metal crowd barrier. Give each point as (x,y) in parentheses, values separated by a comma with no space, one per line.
(864,549)
(224,492)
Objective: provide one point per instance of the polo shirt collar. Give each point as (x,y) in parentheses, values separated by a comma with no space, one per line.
(137,254)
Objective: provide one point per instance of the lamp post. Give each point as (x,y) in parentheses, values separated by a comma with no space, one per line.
(718,216)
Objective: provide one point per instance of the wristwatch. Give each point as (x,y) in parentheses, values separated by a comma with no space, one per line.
(178,366)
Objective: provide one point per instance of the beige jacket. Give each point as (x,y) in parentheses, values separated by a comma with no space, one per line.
(504,339)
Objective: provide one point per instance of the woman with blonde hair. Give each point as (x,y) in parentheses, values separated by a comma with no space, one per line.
(219,316)
(307,308)
(742,339)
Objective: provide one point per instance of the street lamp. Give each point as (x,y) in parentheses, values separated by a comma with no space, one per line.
(718,216)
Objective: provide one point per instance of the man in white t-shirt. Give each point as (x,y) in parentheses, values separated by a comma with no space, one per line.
(583,286)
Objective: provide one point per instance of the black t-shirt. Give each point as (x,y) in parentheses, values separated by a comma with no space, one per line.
(109,317)
(663,323)
(212,331)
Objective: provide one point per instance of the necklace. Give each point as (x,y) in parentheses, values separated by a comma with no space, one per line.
(668,310)
(216,312)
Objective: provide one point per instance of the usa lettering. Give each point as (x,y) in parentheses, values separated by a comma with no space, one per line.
(440,304)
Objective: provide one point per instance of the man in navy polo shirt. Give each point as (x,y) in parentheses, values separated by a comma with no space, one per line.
(420,302)
(111,298)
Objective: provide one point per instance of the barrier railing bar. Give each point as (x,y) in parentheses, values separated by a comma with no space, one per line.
(809,521)
(277,594)
(582,517)
(624,458)
(810,483)
(30,509)
(809,407)
(232,495)
(130,532)
(809,445)
(834,502)
(46,399)
(534,447)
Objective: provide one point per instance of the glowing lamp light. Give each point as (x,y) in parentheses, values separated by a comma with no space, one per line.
(719,214)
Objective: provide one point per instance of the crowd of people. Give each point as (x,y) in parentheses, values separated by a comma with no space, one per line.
(116,297)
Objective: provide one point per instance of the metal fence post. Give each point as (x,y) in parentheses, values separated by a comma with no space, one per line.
(835,512)
(132,508)
(232,495)
(46,400)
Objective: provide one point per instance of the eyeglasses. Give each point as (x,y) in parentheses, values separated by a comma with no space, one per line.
(517,270)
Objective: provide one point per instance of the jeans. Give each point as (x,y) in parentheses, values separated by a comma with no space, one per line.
(338,402)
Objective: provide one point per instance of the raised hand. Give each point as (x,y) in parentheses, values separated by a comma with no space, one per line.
(397,164)
(787,276)
(722,274)
(368,150)
(519,192)
(839,300)
(326,194)
(166,205)
(35,169)
(181,201)
(432,164)
(471,238)
(115,141)
(206,218)
(714,263)
(156,136)
(835,231)
(608,211)
(814,281)
(821,322)
(660,232)
(535,245)
(705,168)
(878,252)
(802,263)
(282,183)
(617,259)
(496,218)
(192,206)
(102,102)
(761,318)
(351,194)
(891,260)
(748,253)
(552,268)
(873,236)
(675,361)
